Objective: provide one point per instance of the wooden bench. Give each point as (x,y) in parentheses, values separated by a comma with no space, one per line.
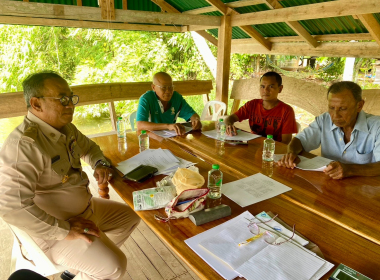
(306,95)
(13,104)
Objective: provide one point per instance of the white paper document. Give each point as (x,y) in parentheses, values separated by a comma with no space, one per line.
(310,164)
(169,133)
(163,160)
(253,189)
(241,136)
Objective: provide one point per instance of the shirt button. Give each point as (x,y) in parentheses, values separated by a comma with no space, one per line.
(344,152)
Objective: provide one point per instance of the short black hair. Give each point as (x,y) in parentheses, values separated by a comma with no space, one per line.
(273,74)
(338,87)
(34,86)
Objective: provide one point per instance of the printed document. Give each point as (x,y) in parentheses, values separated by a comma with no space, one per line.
(169,133)
(312,164)
(241,136)
(253,189)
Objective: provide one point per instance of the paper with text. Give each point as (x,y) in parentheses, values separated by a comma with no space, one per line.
(241,136)
(253,189)
(310,164)
(169,133)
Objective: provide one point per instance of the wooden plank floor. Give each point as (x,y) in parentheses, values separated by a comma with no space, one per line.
(148,257)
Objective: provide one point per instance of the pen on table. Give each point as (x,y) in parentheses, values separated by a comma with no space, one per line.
(183,202)
(251,239)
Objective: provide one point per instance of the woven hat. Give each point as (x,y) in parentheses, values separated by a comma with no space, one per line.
(185,179)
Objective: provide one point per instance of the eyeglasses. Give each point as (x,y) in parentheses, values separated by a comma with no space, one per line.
(268,236)
(65,100)
(165,88)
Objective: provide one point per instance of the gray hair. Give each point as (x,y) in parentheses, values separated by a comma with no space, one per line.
(338,87)
(34,84)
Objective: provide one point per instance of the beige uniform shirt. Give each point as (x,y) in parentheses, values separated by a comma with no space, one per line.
(41,180)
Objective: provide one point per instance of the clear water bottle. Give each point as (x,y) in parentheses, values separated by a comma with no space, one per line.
(268,149)
(215,178)
(121,128)
(143,141)
(221,130)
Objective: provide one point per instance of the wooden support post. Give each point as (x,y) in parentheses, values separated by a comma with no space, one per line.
(111,107)
(224,58)
(108,9)
(103,191)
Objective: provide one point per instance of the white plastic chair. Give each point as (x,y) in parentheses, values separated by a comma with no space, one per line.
(42,264)
(215,114)
(132,119)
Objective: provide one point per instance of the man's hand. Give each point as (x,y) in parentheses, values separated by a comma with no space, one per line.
(336,170)
(231,130)
(102,174)
(289,160)
(81,228)
(196,124)
(178,128)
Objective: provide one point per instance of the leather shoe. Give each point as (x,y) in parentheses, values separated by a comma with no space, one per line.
(67,275)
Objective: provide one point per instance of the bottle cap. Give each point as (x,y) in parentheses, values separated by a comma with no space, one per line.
(143,131)
(215,166)
(220,120)
(270,136)
(119,118)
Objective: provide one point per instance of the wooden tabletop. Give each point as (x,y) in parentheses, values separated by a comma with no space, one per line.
(339,244)
(352,203)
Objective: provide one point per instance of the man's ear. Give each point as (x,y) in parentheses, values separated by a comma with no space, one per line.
(153,87)
(280,87)
(360,105)
(35,103)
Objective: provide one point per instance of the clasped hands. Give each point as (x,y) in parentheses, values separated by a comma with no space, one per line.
(335,169)
(102,174)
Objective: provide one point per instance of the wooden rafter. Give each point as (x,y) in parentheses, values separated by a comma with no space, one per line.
(170,9)
(249,30)
(86,24)
(328,49)
(372,25)
(310,11)
(236,4)
(320,38)
(295,25)
(42,10)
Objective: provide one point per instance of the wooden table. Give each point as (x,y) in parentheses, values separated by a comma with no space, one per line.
(352,203)
(338,244)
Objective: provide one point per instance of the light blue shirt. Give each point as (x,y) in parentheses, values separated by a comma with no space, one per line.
(364,145)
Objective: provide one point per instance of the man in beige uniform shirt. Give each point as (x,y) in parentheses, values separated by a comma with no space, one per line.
(44,192)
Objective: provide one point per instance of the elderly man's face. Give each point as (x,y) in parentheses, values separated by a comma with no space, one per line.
(269,89)
(53,112)
(343,108)
(163,87)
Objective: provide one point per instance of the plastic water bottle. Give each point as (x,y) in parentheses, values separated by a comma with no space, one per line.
(268,154)
(143,141)
(215,178)
(121,128)
(221,130)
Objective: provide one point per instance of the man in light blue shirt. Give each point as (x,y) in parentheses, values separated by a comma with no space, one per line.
(347,135)
(160,107)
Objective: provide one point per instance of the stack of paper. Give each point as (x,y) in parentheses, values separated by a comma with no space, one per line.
(241,136)
(162,159)
(256,260)
(169,133)
(313,164)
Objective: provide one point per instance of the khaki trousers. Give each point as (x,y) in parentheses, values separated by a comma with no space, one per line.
(102,259)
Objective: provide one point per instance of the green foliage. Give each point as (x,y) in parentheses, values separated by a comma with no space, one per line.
(335,71)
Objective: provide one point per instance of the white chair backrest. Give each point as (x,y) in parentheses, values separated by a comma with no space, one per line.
(215,114)
(42,264)
(132,118)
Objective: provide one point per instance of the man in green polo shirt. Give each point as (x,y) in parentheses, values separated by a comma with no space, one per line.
(160,107)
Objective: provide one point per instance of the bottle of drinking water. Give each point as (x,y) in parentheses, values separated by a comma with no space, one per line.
(215,178)
(121,128)
(268,155)
(143,141)
(221,130)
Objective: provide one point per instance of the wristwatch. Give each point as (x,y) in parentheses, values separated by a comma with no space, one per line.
(103,162)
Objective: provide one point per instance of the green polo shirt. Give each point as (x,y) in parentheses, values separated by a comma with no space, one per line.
(150,109)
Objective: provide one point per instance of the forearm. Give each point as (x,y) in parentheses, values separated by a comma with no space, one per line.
(194,117)
(367,170)
(230,120)
(142,125)
(295,146)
